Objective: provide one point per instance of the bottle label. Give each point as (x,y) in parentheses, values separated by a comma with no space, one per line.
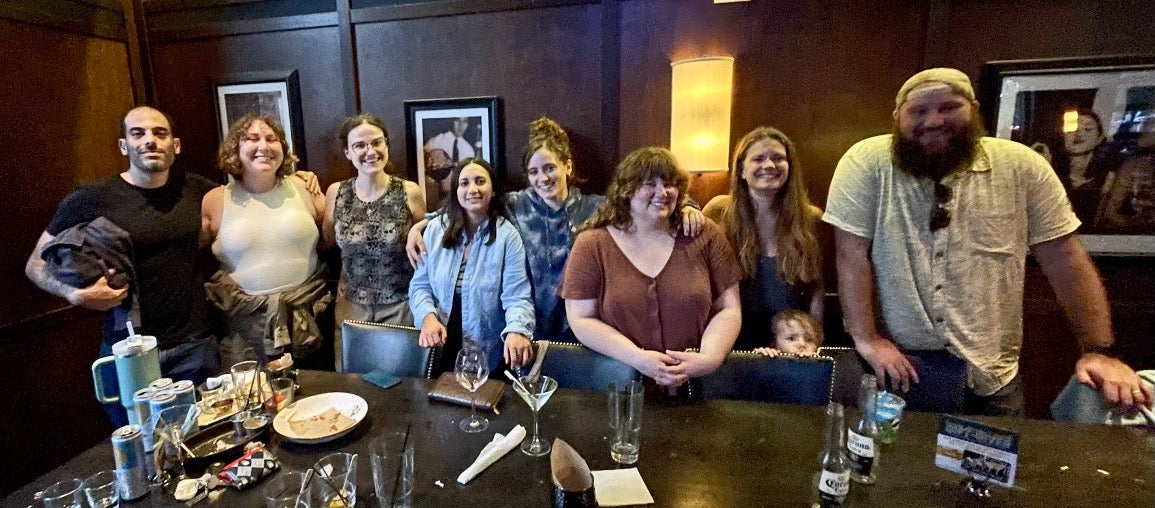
(860,452)
(833,487)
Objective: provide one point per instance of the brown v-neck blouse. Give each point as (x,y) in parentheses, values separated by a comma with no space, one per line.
(667,312)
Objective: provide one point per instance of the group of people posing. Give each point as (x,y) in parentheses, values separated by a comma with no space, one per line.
(933,223)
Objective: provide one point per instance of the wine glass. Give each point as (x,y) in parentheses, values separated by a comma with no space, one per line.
(535,393)
(472,369)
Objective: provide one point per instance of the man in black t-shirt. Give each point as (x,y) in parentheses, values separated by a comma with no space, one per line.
(160,209)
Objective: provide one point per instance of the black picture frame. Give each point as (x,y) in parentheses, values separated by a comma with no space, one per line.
(276,93)
(1025,100)
(432,126)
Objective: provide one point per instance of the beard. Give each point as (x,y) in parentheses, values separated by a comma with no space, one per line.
(911,157)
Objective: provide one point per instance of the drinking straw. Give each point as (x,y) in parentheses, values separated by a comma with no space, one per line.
(401,466)
(517,382)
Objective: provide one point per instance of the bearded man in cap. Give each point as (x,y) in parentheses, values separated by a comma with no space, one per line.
(934,222)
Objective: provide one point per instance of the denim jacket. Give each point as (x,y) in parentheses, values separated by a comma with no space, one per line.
(495,292)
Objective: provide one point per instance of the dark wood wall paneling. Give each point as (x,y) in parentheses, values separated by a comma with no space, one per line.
(540,62)
(66,85)
(814,69)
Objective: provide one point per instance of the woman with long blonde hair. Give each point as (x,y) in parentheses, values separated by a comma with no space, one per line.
(773,227)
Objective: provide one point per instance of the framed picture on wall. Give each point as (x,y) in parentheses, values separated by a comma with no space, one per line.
(1094,120)
(276,94)
(441,132)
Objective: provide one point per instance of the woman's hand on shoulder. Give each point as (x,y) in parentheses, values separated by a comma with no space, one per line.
(415,244)
(518,349)
(692,221)
(309,179)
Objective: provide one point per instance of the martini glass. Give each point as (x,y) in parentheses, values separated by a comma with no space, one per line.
(535,393)
(472,369)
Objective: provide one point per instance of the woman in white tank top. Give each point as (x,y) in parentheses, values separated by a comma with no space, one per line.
(263,228)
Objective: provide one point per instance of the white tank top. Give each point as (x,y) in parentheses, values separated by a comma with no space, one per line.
(267,242)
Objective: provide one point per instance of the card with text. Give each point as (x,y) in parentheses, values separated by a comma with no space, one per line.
(977,450)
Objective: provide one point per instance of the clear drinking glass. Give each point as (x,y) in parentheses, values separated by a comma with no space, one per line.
(283,389)
(536,393)
(335,483)
(63,494)
(625,405)
(171,426)
(391,456)
(284,490)
(101,491)
(247,384)
(472,369)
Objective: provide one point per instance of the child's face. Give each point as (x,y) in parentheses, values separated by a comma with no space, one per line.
(793,337)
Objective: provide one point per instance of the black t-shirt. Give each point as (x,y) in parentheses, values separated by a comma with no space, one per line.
(164,224)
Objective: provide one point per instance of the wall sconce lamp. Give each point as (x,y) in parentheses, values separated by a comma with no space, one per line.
(701,95)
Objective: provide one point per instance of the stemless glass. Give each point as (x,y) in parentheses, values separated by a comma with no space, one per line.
(472,369)
(63,494)
(101,490)
(537,392)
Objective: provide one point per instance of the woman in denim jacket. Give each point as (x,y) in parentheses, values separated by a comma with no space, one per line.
(473,285)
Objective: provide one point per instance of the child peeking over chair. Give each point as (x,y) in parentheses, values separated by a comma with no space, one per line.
(795,332)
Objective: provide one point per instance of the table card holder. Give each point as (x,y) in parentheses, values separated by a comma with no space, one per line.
(987,455)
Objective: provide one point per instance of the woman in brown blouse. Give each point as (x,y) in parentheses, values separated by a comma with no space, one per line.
(638,292)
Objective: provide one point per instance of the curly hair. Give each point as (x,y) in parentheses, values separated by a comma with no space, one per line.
(799,255)
(229,155)
(455,215)
(546,133)
(803,318)
(638,167)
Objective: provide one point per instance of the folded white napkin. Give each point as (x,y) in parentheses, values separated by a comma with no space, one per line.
(621,487)
(496,449)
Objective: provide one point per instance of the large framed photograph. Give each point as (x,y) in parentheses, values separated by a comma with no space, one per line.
(442,132)
(1094,120)
(276,94)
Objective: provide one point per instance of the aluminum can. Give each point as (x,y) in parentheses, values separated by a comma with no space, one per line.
(161,400)
(163,382)
(132,471)
(186,392)
(141,401)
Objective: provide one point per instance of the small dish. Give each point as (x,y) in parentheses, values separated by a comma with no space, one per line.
(219,443)
(348,404)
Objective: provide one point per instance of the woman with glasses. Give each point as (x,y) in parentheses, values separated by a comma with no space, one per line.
(772,226)
(368,217)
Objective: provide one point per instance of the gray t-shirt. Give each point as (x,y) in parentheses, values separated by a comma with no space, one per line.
(961,287)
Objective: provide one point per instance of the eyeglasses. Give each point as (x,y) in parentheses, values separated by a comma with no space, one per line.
(360,146)
(940,217)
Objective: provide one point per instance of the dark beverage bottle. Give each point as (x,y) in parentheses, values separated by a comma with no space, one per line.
(862,439)
(834,478)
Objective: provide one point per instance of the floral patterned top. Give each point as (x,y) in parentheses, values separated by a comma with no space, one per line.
(371,235)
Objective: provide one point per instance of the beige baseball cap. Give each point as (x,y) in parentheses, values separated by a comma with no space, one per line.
(957,80)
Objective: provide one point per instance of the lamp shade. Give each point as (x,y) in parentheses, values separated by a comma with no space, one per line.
(701,95)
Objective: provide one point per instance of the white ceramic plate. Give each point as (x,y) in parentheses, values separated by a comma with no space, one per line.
(347,404)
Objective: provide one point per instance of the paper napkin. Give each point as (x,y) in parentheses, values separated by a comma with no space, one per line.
(621,487)
(496,449)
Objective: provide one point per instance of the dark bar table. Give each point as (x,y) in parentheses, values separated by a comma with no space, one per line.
(693,454)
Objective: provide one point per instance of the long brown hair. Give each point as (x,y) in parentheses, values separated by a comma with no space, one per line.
(640,165)
(455,215)
(229,155)
(799,256)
